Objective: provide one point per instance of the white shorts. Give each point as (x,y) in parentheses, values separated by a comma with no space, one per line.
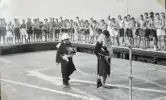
(113,33)
(116,33)
(134,31)
(161,32)
(23,32)
(91,33)
(9,34)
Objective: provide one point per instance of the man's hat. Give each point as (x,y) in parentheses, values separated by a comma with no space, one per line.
(65,36)
(99,84)
(106,33)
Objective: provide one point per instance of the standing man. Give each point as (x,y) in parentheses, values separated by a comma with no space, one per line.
(61,26)
(36,30)
(91,32)
(109,28)
(128,30)
(17,26)
(57,29)
(23,32)
(64,56)
(163,29)
(9,34)
(142,28)
(46,29)
(51,29)
(121,28)
(147,31)
(153,32)
(29,27)
(40,23)
(115,31)
(2,30)
(72,30)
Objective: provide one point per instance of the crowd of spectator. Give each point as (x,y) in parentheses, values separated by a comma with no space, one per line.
(146,32)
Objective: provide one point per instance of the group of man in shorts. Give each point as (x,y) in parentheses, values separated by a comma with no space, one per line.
(124,31)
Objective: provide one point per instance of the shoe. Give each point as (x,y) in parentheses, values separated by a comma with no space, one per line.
(104,86)
(66,86)
(99,84)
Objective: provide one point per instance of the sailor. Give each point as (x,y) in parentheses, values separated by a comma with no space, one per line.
(23,32)
(46,29)
(17,30)
(29,27)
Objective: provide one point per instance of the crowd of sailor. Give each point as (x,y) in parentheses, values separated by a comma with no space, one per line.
(146,31)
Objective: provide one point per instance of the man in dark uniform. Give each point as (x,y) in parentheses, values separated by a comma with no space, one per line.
(46,29)
(29,27)
(64,56)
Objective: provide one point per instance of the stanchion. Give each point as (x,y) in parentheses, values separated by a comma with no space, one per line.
(130,77)
(0,88)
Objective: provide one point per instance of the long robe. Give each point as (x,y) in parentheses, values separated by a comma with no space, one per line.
(103,66)
(67,68)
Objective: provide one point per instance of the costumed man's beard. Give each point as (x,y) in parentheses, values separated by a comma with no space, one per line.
(107,43)
(66,42)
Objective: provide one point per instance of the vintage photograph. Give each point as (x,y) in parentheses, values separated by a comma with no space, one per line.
(83,49)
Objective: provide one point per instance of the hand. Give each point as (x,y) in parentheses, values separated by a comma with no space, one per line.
(65,58)
(57,64)
(112,55)
(107,57)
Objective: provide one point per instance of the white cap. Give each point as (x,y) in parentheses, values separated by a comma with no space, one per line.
(65,36)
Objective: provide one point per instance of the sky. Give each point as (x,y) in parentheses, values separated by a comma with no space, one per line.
(71,8)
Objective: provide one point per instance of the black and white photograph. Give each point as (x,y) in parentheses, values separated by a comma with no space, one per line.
(82,49)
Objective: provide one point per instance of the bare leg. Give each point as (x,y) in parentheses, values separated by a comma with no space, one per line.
(159,40)
(104,80)
(117,39)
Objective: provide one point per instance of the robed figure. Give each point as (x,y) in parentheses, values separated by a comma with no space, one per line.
(64,56)
(104,52)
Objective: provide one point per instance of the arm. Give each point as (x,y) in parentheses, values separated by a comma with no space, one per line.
(73,49)
(97,49)
(26,26)
(117,25)
(106,25)
(58,54)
